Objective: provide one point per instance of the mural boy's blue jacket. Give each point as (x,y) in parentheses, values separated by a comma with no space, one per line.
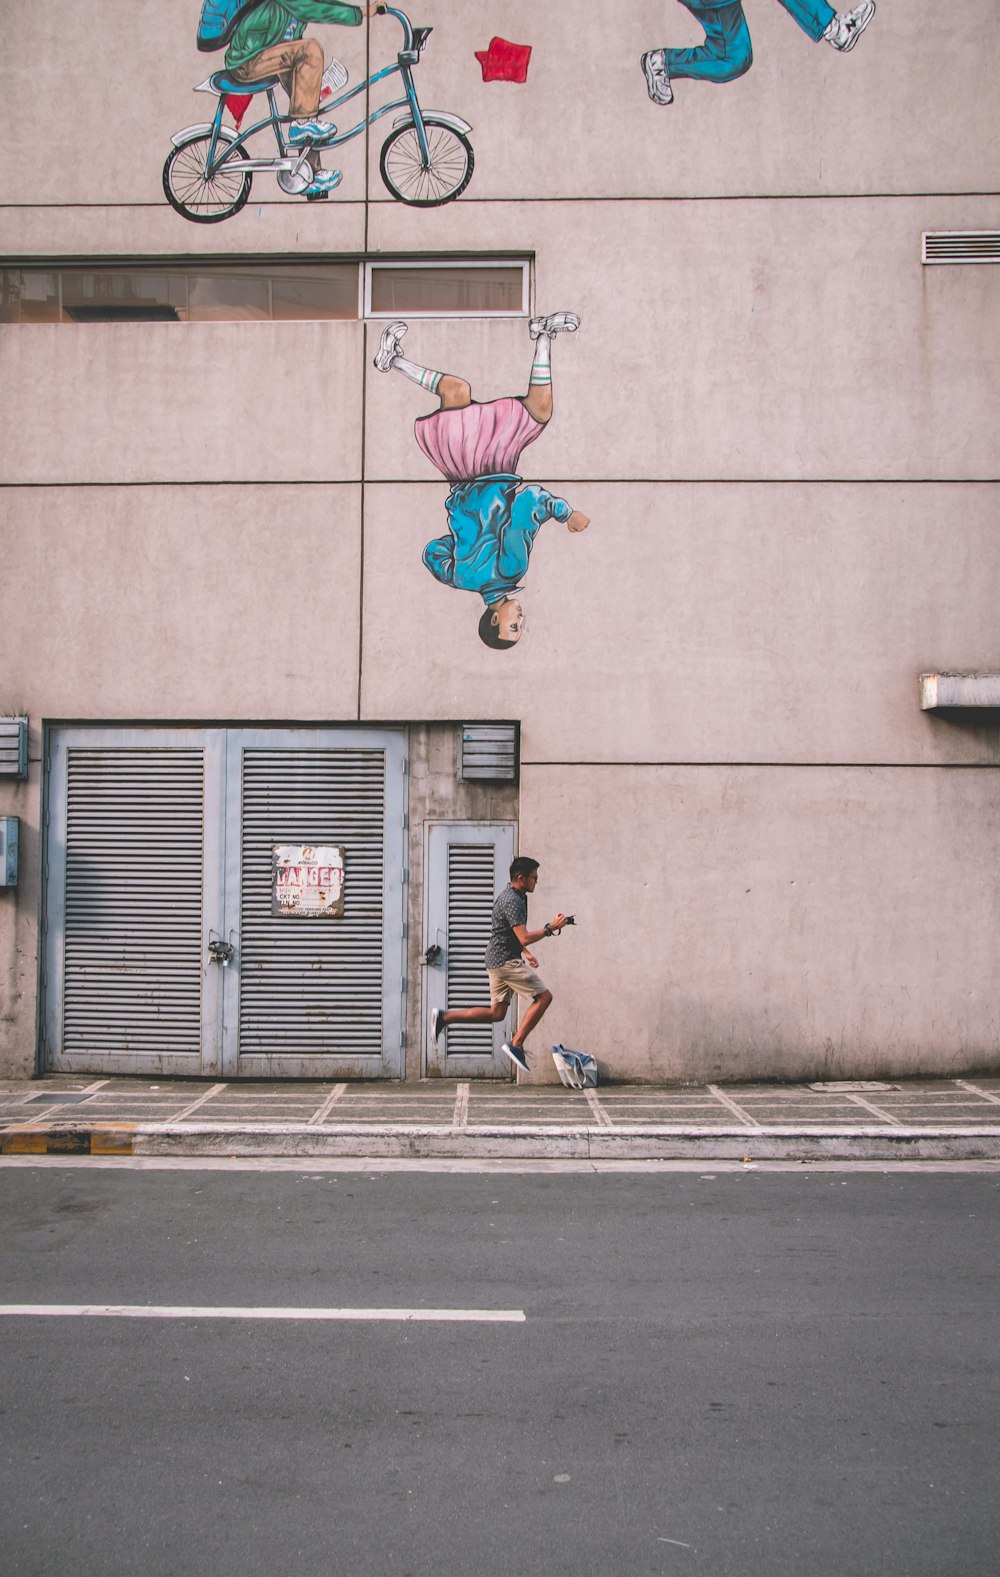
(492,528)
(270,23)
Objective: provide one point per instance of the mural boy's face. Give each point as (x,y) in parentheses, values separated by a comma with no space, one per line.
(509,619)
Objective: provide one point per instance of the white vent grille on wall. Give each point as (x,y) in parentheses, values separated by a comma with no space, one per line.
(961,246)
(13,747)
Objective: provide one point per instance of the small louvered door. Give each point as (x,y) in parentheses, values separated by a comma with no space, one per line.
(466,866)
(311,995)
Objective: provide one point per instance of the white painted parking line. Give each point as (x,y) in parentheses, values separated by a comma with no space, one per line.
(461,1115)
(198,1103)
(964,1084)
(877,1111)
(598,1110)
(334,1095)
(744,1117)
(149,1311)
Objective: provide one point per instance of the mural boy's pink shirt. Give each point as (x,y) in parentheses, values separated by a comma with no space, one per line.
(477,440)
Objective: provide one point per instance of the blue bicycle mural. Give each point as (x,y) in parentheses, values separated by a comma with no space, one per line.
(426,160)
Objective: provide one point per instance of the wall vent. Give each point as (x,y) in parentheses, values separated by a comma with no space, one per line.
(961,246)
(489,753)
(13,747)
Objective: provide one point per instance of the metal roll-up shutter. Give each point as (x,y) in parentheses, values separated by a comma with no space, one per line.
(132,974)
(312,984)
(471,881)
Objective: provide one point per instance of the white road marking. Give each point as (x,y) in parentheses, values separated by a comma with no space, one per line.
(598,1110)
(180,1116)
(743,1116)
(150,1311)
(461,1117)
(875,1110)
(334,1095)
(964,1084)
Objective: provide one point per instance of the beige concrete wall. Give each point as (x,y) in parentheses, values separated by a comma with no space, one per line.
(786,922)
(780,422)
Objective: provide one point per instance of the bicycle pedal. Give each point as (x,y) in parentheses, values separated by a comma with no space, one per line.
(317,197)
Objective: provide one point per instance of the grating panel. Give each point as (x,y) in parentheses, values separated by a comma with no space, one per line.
(961,246)
(312,984)
(133,901)
(470,903)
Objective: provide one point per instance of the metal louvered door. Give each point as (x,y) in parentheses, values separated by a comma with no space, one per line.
(166,951)
(133,874)
(466,865)
(313,995)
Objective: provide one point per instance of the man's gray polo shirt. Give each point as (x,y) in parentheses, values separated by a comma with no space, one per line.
(510,909)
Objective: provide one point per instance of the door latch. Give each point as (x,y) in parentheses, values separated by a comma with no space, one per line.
(221,952)
(432,954)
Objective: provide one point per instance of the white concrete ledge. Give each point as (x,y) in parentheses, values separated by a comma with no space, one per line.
(938,691)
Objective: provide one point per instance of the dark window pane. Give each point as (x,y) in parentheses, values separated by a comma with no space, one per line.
(328,292)
(447,290)
(228,298)
(28,296)
(122,295)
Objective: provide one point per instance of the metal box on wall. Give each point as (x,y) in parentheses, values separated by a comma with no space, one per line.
(8,851)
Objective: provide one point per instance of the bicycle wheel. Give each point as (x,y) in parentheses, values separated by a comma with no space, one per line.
(450,162)
(206,199)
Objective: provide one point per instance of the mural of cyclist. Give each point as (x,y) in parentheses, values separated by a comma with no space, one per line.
(493,518)
(726,53)
(268,42)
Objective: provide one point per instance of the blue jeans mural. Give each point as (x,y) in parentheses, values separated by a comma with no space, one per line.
(726,53)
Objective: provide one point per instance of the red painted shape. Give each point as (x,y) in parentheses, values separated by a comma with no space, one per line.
(504,62)
(236,104)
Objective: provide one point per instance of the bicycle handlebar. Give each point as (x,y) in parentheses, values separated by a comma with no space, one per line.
(402,19)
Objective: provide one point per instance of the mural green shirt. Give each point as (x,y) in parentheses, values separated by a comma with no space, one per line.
(270,23)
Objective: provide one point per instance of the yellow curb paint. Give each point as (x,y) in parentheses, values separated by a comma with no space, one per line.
(73,1143)
(24,1143)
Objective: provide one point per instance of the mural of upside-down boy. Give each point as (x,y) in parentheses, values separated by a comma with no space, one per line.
(493,518)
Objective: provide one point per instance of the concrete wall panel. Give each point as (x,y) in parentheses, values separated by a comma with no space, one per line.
(183,603)
(180,402)
(731,340)
(701,623)
(768,923)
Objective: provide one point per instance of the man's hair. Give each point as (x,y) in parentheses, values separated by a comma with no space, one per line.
(489,632)
(522,866)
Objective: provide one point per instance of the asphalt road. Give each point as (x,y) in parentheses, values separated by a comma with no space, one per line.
(770,1375)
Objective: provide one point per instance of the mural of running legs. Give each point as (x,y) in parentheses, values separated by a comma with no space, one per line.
(726,53)
(492,517)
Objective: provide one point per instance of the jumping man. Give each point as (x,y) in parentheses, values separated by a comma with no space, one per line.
(510,965)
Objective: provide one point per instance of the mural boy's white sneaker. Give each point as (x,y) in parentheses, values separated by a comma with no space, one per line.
(848,26)
(657,82)
(310,133)
(556,323)
(389,346)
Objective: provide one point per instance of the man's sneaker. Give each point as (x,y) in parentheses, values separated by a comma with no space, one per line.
(390,346)
(322,184)
(516,1054)
(556,323)
(657,82)
(848,26)
(437,1024)
(305,133)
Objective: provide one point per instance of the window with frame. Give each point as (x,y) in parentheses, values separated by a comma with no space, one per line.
(259,290)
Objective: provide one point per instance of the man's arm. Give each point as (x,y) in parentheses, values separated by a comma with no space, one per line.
(527,938)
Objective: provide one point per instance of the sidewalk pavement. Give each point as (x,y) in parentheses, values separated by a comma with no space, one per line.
(912,1119)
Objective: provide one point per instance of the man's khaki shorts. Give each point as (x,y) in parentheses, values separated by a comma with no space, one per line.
(513,978)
